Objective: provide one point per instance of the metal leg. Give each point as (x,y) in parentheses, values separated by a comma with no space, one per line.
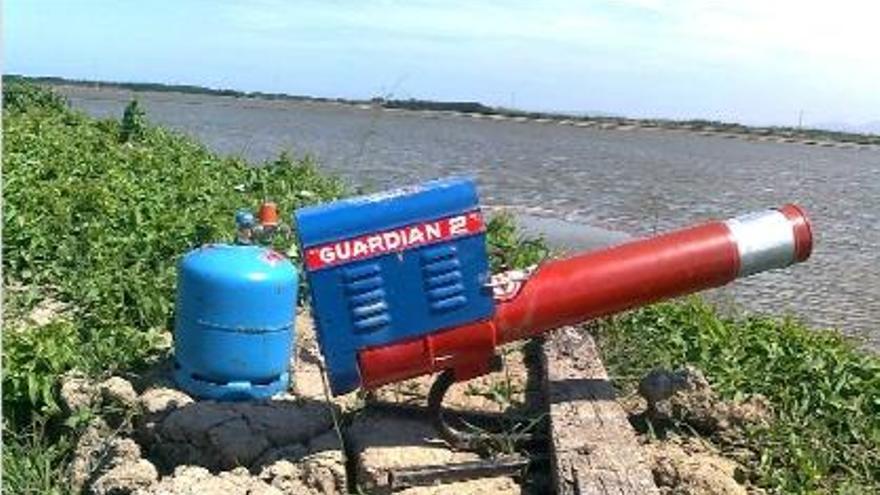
(451,428)
(455,437)
(454,430)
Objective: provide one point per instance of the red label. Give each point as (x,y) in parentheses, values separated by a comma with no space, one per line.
(394,240)
(273,257)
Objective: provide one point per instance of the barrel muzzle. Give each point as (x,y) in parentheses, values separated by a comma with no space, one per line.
(771,239)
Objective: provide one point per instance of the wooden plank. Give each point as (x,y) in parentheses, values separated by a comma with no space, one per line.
(595,450)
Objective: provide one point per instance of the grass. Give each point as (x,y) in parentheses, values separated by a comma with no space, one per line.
(99,224)
(825,394)
(34,464)
(508,249)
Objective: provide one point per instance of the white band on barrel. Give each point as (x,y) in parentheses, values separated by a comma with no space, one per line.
(765,240)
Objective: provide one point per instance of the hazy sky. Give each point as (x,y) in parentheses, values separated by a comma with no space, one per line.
(755,61)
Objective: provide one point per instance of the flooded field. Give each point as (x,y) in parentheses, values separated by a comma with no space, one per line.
(635,182)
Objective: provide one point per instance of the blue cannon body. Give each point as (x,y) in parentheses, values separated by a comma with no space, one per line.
(393,266)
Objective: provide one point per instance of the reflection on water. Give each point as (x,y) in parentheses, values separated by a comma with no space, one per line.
(637,182)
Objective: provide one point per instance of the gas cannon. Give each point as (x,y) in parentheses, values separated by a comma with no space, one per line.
(400,284)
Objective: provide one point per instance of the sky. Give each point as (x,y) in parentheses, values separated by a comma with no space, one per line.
(750,61)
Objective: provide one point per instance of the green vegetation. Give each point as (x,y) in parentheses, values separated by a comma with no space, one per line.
(825,394)
(165,88)
(436,106)
(508,249)
(98,225)
(134,123)
(33,464)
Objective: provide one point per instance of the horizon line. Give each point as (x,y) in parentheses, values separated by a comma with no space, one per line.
(439,105)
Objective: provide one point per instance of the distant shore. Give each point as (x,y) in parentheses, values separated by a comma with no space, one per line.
(814,137)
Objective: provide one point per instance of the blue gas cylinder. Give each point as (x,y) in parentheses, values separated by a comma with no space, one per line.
(234,329)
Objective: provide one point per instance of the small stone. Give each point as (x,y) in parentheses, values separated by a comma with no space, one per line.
(119,392)
(191,472)
(324,472)
(286,477)
(693,469)
(660,385)
(320,473)
(240,471)
(686,395)
(77,392)
(122,450)
(126,478)
(693,378)
(96,453)
(159,401)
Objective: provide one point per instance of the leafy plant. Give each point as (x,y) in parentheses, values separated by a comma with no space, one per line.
(33,464)
(134,123)
(33,362)
(19,96)
(101,226)
(508,249)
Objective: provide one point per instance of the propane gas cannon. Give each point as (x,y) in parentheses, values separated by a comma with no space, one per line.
(400,283)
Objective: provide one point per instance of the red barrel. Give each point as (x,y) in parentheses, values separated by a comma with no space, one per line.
(600,283)
(637,273)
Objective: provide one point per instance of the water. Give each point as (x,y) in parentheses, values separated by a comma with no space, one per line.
(635,182)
